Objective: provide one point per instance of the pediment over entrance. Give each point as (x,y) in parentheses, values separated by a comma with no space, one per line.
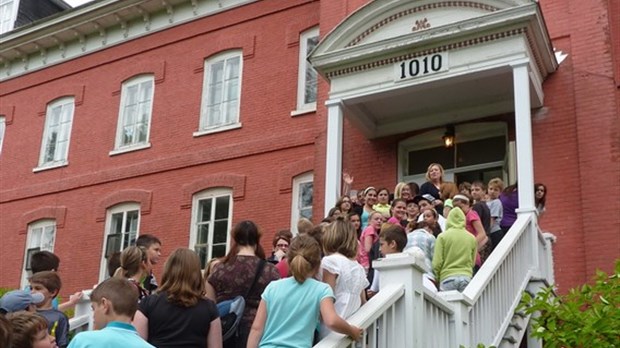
(402,65)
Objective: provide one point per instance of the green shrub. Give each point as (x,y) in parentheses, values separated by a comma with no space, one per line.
(588,316)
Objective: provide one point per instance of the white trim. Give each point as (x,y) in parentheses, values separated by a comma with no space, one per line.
(297,181)
(129,149)
(51,166)
(119,208)
(219,129)
(295,113)
(135,81)
(193,231)
(61,128)
(523,131)
(2,131)
(117,22)
(43,223)
(302,66)
(333,155)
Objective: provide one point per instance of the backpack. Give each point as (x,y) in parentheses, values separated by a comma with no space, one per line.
(231,311)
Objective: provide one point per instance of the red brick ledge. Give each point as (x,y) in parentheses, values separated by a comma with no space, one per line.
(235,182)
(142,197)
(58,213)
(285,179)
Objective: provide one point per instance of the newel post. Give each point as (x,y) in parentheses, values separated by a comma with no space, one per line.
(83,308)
(402,268)
(459,324)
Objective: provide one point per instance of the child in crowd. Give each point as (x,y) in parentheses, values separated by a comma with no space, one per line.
(48,284)
(340,269)
(392,240)
(495,187)
(290,308)
(20,300)
(398,212)
(472,224)
(29,330)
(47,261)
(455,254)
(152,245)
(421,242)
(369,236)
(114,304)
(135,267)
(383,202)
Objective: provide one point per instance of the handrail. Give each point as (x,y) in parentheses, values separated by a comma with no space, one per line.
(366,315)
(484,275)
(77,322)
(438,301)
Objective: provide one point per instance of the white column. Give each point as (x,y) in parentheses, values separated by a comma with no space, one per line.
(333,155)
(523,124)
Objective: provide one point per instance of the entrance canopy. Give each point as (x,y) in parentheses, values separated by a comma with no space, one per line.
(396,66)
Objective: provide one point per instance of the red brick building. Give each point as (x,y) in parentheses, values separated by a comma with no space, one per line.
(181,118)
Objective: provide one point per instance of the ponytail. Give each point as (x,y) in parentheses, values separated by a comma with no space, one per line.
(305,257)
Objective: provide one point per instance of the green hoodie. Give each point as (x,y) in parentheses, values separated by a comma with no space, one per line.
(455,249)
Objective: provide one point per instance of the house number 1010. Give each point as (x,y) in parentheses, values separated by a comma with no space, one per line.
(421,66)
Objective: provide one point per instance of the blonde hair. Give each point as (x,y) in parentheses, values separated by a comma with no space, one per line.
(428,177)
(448,190)
(132,259)
(304,226)
(399,189)
(496,182)
(340,237)
(305,257)
(182,280)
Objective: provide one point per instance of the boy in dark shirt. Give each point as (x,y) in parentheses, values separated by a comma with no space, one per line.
(48,284)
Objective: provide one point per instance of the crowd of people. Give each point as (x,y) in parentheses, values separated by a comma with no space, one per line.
(306,288)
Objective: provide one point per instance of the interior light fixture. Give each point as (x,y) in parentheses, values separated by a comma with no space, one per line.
(448,136)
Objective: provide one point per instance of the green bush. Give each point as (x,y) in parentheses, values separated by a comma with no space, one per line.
(588,316)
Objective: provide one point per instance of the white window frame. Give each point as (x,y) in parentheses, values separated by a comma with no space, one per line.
(210,194)
(303,66)
(62,127)
(229,123)
(122,208)
(295,208)
(40,226)
(2,131)
(123,115)
(6,16)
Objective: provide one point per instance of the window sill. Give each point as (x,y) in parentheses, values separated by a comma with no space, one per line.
(130,149)
(50,166)
(300,112)
(217,129)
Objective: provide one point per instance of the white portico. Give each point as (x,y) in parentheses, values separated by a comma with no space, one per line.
(398,66)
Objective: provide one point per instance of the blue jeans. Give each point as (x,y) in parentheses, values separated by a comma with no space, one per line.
(454,283)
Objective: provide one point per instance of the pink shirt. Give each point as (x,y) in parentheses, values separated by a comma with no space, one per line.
(470,217)
(362,256)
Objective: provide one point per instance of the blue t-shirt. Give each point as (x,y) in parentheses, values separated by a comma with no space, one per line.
(293,312)
(115,334)
(57,325)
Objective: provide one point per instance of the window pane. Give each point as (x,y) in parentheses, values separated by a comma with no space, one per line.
(307,213)
(132,226)
(204,210)
(305,195)
(219,251)
(203,234)
(202,255)
(481,151)
(220,232)
(116,226)
(420,159)
(47,239)
(221,207)
(217,73)
(35,237)
(232,68)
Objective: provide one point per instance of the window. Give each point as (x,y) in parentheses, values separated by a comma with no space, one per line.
(2,129)
(302,199)
(57,132)
(135,114)
(211,219)
(221,92)
(479,153)
(41,236)
(121,230)
(8,13)
(307,76)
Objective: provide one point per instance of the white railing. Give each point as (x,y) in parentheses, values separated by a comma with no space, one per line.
(83,316)
(496,289)
(438,318)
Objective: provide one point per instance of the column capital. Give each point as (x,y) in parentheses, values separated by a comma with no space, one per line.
(520,62)
(332,102)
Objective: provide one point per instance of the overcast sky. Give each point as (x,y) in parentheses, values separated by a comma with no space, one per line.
(75,3)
